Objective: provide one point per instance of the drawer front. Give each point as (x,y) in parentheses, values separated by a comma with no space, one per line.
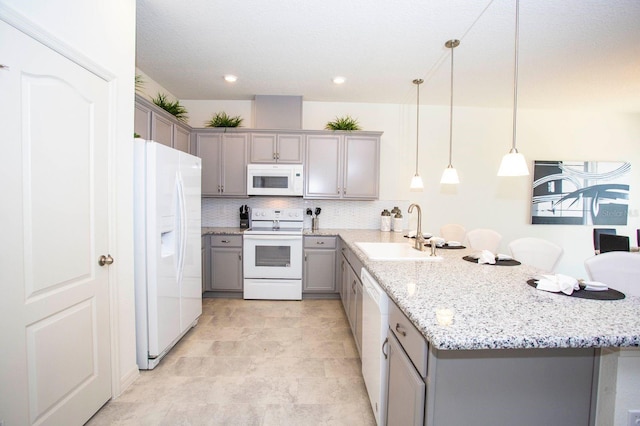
(320,242)
(410,338)
(226,240)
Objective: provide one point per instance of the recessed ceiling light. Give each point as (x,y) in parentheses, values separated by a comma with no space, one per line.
(230,78)
(339,80)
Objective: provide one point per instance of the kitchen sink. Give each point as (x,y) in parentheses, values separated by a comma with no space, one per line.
(396,252)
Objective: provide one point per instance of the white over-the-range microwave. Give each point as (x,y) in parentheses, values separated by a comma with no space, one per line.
(284,180)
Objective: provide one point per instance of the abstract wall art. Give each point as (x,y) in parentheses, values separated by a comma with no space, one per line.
(580,192)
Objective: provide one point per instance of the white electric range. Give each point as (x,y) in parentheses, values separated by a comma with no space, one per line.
(272,254)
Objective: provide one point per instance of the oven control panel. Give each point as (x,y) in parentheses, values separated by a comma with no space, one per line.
(292,215)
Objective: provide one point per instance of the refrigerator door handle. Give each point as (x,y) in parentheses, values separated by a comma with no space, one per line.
(182,225)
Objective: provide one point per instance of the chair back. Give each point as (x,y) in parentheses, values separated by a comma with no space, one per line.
(484,239)
(453,232)
(619,270)
(609,242)
(596,236)
(536,252)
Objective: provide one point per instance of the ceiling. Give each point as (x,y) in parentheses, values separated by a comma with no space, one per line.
(572,53)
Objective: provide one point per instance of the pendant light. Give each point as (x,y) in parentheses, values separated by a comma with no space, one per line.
(416,181)
(450,175)
(514,163)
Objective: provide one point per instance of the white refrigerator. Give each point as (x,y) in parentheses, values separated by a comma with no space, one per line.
(167,248)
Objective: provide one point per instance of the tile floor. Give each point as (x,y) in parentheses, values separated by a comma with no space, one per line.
(253,363)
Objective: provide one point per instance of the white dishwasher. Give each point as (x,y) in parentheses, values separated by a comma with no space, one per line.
(375,322)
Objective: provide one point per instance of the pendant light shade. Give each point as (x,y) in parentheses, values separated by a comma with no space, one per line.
(514,163)
(416,180)
(450,175)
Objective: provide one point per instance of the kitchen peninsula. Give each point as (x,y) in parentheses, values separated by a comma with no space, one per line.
(512,354)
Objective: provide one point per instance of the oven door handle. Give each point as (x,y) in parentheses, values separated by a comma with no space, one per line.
(272,237)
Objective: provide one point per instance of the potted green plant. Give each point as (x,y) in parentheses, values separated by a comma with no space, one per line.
(173,108)
(222,119)
(347,123)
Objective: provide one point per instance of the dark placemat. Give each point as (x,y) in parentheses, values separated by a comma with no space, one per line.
(610,294)
(447,247)
(507,262)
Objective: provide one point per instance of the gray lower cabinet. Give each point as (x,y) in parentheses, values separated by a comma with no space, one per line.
(406,389)
(206,267)
(351,292)
(319,274)
(224,162)
(342,165)
(540,386)
(225,252)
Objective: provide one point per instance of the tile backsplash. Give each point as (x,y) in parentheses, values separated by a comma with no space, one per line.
(335,214)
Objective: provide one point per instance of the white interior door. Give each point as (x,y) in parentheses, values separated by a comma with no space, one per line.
(54,306)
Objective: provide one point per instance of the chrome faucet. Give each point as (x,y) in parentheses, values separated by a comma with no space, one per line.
(420,241)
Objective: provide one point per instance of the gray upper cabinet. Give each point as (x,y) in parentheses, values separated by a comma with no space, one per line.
(361,172)
(323,166)
(276,148)
(161,129)
(153,123)
(224,162)
(342,166)
(142,120)
(181,137)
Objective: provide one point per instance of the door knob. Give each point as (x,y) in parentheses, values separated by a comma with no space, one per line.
(105,260)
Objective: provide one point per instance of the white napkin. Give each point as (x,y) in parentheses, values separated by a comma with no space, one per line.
(557,283)
(501,256)
(452,243)
(485,256)
(439,242)
(594,286)
(412,234)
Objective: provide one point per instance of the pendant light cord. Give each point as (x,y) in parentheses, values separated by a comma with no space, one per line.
(417,82)
(515,77)
(451,109)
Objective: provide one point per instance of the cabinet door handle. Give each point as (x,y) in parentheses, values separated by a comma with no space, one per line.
(386,341)
(399,330)
(239,256)
(344,191)
(353,286)
(225,241)
(305,257)
(222,188)
(319,242)
(275,155)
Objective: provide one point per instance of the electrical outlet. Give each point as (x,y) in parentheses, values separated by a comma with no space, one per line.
(633,418)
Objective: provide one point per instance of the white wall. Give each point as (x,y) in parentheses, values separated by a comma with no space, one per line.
(104,32)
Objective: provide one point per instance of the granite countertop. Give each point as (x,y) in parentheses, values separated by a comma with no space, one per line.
(222,230)
(494,307)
